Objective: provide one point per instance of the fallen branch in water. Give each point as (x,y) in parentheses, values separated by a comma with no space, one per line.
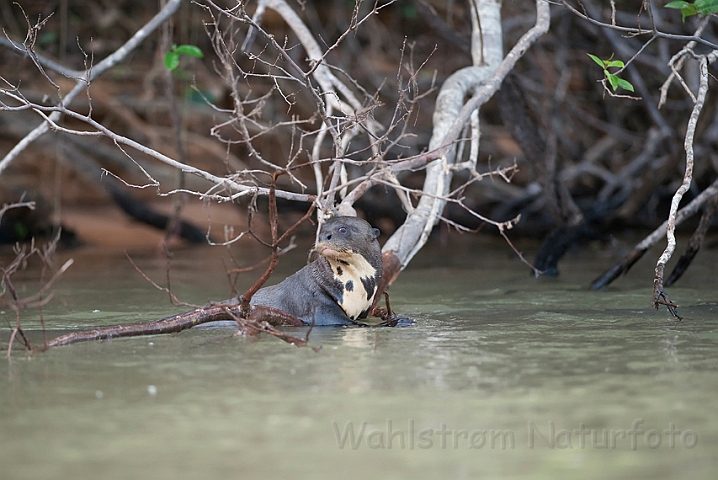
(262,319)
(695,243)
(658,293)
(249,321)
(642,247)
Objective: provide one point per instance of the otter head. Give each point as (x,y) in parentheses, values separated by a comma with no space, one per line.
(351,247)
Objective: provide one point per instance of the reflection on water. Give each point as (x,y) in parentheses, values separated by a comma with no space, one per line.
(502,376)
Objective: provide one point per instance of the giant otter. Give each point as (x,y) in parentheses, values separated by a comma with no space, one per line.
(338,287)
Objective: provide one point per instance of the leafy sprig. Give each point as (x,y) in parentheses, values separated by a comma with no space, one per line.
(172,58)
(698,7)
(612,78)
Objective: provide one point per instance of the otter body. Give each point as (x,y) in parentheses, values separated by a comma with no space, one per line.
(337,288)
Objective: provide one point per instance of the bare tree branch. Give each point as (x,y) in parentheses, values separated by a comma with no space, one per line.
(84,81)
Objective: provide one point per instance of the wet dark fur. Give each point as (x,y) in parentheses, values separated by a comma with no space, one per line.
(314,293)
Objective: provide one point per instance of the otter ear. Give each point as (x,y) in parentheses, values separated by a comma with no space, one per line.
(376,232)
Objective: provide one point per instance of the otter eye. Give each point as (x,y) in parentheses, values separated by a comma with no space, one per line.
(342,230)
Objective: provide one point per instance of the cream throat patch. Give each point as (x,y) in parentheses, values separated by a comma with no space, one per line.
(358,280)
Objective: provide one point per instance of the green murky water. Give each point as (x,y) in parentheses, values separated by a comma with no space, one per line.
(503,376)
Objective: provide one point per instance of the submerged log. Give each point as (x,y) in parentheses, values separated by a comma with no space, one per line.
(257,321)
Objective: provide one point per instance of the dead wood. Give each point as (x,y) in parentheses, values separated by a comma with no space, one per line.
(75,156)
(262,319)
(695,243)
(629,260)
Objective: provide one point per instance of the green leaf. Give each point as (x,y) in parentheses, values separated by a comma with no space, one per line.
(706,7)
(172,60)
(625,84)
(687,9)
(614,63)
(190,50)
(613,80)
(678,4)
(597,60)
